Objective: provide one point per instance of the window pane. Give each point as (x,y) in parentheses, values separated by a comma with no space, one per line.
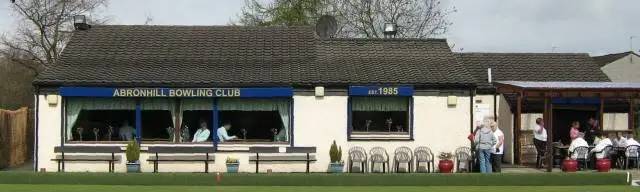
(192,120)
(88,113)
(259,125)
(378,121)
(259,118)
(380,114)
(90,121)
(157,119)
(155,124)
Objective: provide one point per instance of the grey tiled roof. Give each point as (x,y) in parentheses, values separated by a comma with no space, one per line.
(196,56)
(573,85)
(606,59)
(402,61)
(532,67)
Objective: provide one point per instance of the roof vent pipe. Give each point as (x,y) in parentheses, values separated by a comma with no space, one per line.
(489,74)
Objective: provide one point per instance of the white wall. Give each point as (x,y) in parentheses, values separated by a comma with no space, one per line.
(317,122)
(48,134)
(626,69)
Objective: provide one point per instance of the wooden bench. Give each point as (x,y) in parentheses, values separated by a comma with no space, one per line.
(204,157)
(308,158)
(112,158)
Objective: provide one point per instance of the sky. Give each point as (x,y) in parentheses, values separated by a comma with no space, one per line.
(575,26)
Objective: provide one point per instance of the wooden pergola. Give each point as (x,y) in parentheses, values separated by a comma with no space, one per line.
(554,90)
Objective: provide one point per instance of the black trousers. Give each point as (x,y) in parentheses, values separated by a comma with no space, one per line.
(496,163)
(541,148)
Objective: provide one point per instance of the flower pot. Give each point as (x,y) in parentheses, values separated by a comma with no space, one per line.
(336,167)
(569,165)
(232,167)
(603,165)
(445,166)
(133,167)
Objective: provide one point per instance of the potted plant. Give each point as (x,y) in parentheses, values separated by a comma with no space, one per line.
(446,164)
(232,165)
(133,157)
(335,154)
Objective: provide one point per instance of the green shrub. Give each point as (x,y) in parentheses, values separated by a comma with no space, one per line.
(133,152)
(335,153)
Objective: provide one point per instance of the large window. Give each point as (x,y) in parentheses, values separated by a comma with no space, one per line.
(176,120)
(382,116)
(99,119)
(256,120)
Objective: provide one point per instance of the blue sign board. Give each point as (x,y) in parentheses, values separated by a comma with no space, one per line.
(175,92)
(575,101)
(381,91)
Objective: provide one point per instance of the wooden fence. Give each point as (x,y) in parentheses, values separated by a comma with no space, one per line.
(13,137)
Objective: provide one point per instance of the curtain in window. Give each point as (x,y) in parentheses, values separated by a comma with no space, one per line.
(76,104)
(379,104)
(280,105)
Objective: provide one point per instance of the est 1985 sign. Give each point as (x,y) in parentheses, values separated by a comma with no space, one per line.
(380,91)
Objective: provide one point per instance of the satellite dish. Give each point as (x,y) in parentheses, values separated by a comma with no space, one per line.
(327,26)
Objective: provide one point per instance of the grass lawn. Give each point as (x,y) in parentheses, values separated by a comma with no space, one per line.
(121,188)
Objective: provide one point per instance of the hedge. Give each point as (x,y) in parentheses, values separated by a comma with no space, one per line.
(294,179)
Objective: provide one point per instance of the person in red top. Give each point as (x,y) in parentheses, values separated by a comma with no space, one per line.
(575,129)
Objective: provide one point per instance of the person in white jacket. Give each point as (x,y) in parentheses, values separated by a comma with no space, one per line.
(577,142)
(598,150)
(202,134)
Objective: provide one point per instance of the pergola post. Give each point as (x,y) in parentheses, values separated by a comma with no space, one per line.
(548,119)
(632,116)
(516,128)
(601,114)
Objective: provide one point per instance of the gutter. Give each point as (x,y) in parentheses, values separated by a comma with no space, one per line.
(36,122)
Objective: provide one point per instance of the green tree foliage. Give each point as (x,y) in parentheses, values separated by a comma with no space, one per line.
(281,12)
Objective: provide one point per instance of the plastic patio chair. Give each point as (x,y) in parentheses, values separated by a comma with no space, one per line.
(632,153)
(379,155)
(582,155)
(463,155)
(357,155)
(402,155)
(423,154)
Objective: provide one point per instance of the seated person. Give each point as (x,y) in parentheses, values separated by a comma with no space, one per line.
(621,141)
(577,142)
(222,132)
(126,131)
(598,150)
(631,141)
(202,134)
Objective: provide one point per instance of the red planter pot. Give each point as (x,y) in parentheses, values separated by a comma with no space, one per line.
(603,165)
(569,165)
(445,166)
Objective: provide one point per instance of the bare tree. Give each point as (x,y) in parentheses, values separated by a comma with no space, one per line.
(414,18)
(44,28)
(356,18)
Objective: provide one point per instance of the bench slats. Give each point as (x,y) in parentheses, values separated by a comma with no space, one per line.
(182,158)
(283,158)
(264,150)
(87,149)
(87,157)
(191,149)
(301,149)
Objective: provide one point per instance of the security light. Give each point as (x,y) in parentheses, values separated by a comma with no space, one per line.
(390,29)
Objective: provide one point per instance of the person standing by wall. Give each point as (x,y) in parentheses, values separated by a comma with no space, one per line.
(484,141)
(539,140)
(498,148)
